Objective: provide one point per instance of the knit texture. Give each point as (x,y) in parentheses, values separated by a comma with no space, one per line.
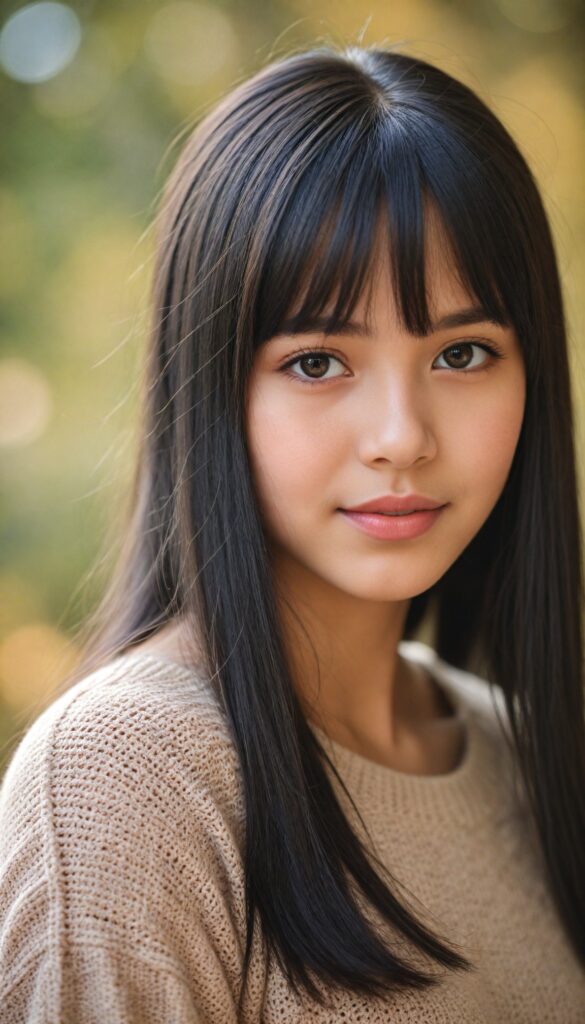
(121,874)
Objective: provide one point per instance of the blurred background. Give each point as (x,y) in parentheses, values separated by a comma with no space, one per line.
(94,98)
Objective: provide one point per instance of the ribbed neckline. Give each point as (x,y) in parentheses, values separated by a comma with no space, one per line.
(448,796)
(466,794)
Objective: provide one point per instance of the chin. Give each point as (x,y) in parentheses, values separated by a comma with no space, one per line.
(390,586)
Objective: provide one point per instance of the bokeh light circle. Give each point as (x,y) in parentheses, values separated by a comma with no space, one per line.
(536,15)
(26,404)
(38,41)
(189,42)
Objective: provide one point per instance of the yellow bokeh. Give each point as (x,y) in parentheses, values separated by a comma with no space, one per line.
(95,294)
(26,404)
(19,602)
(34,658)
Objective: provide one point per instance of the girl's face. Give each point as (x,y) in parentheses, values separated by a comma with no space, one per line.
(388,413)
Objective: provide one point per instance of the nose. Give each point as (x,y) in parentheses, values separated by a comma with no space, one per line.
(396,427)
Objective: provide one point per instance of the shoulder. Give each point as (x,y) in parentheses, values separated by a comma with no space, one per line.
(128,723)
(127,760)
(136,750)
(121,824)
(127,774)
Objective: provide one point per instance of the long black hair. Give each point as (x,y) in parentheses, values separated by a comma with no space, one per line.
(301,159)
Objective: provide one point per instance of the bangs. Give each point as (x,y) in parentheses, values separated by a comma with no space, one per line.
(323,242)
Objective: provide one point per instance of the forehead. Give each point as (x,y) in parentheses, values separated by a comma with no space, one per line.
(444,286)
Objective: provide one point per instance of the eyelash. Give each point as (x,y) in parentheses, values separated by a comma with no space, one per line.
(492,349)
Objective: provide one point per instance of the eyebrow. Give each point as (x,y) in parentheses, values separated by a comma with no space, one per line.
(459,318)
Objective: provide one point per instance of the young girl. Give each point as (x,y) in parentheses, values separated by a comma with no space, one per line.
(261,797)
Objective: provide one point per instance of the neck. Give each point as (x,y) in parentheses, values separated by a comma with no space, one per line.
(347,671)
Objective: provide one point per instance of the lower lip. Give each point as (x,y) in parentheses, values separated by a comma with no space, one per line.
(394,527)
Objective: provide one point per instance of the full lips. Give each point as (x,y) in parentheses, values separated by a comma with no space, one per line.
(384,527)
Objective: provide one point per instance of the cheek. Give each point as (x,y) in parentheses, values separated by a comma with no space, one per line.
(294,458)
(485,447)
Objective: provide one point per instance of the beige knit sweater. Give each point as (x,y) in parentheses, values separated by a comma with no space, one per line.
(121,881)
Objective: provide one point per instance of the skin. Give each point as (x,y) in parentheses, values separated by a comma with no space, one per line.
(395,413)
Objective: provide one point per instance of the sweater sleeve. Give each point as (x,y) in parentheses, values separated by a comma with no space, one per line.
(120,894)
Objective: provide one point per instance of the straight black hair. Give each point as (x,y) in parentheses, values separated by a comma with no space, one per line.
(301,161)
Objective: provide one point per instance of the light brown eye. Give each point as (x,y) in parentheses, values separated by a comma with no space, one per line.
(460,356)
(314,365)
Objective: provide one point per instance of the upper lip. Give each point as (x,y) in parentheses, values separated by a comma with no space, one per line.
(397,503)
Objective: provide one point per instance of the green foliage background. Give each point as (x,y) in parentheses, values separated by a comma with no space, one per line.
(83,158)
